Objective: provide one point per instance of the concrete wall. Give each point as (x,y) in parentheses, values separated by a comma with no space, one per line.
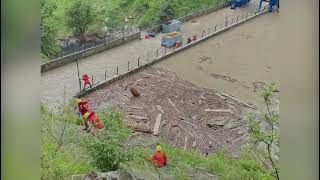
(204,38)
(88,52)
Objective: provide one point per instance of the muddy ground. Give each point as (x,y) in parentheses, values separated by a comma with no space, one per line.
(191,117)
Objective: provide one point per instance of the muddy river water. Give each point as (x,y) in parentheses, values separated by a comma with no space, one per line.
(235,62)
(244,54)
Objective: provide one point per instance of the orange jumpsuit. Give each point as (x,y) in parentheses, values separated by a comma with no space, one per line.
(97,123)
(159,159)
(86,80)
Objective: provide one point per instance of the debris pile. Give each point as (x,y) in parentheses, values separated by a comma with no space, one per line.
(190,117)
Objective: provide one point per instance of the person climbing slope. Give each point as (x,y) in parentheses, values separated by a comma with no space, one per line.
(83,107)
(159,158)
(96,122)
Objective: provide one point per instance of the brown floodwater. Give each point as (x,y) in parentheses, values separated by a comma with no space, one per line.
(235,61)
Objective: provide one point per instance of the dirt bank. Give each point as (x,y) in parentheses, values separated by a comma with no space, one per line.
(191,117)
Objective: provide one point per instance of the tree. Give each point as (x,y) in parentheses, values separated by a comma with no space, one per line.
(265,130)
(48,31)
(79,16)
(166,12)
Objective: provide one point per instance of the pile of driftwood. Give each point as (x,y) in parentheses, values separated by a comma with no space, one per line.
(157,103)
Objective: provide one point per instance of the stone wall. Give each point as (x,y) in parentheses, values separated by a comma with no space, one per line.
(88,52)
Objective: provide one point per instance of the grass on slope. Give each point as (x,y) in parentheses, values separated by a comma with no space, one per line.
(79,152)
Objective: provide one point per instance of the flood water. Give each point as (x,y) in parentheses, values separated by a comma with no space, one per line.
(55,81)
(235,60)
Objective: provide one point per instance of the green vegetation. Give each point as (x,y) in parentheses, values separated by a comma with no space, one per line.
(265,130)
(166,12)
(61,155)
(48,30)
(67,150)
(107,150)
(78,17)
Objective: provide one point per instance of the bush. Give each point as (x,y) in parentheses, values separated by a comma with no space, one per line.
(79,16)
(264,129)
(49,47)
(107,149)
(166,12)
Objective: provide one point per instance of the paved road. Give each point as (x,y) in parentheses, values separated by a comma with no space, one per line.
(55,81)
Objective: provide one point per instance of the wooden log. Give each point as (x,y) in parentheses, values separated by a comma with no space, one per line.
(160,109)
(221,96)
(201,142)
(240,138)
(211,137)
(173,105)
(138,117)
(194,144)
(218,110)
(237,100)
(185,142)
(143,130)
(190,124)
(157,125)
(134,107)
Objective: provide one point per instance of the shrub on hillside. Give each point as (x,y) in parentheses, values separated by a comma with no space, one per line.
(107,150)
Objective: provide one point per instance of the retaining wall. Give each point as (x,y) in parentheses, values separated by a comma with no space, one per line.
(88,52)
(204,38)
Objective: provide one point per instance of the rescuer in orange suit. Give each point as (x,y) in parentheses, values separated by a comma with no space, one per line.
(159,158)
(83,108)
(86,80)
(93,118)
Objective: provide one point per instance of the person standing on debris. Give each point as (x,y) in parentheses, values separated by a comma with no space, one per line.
(96,122)
(86,81)
(159,158)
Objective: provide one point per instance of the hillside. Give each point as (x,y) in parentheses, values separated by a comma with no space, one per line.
(145,13)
